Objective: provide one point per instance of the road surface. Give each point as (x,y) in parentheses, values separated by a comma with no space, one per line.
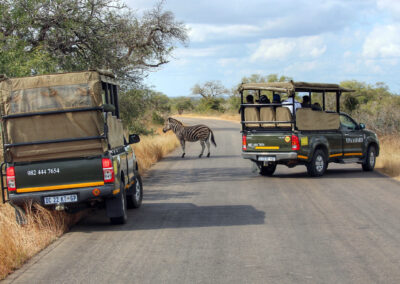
(213,220)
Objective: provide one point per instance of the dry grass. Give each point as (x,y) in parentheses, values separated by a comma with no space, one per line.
(20,243)
(388,161)
(151,149)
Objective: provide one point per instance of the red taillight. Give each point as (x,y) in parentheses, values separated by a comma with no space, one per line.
(108,171)
(244,142)
(11,185)
(295,143)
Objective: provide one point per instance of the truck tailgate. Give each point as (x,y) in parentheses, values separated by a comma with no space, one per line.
(54,175)
(269,142)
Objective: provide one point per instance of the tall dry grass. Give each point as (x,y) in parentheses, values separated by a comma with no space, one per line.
(388,161)
(20,243)
(151,149)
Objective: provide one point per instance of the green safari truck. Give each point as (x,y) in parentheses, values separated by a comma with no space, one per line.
(278,129)
(64,145)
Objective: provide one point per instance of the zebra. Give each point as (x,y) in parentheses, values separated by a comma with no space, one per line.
(190,133)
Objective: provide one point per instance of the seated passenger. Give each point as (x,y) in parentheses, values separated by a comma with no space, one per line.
(316,106)
(306,102)
(267,113)
(264,100)
(249,100)
(289,104)
(276,99)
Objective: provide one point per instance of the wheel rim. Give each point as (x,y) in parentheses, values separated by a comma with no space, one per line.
(319,163)
(371,158)
(137,190)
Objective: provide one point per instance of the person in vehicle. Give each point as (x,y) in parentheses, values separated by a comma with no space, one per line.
(264,100)
(276,99)
(316,106)
(289,104)
(249,100)
(306,102)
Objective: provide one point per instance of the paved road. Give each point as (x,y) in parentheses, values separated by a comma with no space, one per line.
(214,221)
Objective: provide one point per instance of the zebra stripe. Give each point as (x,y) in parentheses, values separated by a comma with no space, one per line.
(193,133)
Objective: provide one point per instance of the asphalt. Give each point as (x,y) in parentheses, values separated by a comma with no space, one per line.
(213,220)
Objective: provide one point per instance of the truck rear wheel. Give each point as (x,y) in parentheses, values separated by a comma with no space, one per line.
(369,163)
(318,164)
(117,207)
(135,199)
(267,170)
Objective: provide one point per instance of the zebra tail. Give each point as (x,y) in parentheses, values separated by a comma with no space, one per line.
(212,138)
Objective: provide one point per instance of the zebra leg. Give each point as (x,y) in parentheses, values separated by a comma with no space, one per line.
(183,147)
(202,148)
(208,147)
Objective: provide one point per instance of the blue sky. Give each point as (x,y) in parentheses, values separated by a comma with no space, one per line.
(310,40)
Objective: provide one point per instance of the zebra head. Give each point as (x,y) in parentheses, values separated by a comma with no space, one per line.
(167,126)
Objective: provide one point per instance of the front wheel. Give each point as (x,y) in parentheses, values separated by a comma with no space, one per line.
(135,199)
(369,163)
(318,164)
(267,170)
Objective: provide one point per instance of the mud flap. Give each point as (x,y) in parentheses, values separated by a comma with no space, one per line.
(20,216)
(113,206)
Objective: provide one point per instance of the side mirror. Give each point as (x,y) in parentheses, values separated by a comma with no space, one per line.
(362,126)
(134,138)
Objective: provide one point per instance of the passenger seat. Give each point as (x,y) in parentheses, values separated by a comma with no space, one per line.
(267,113)
(283,114)
(251,114)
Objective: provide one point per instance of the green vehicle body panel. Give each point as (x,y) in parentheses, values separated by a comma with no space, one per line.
(59,172)
(333,142)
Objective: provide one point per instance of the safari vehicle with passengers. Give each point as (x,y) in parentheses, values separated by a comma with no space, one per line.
(64,144)
(290,133)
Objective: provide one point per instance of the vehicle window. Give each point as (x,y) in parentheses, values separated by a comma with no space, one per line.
(346,123)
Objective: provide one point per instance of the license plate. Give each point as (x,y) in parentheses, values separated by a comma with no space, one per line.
(267,158)
(60,199)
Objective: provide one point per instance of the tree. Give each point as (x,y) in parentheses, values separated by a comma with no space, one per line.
(211,93)
(210,90)
(76,35)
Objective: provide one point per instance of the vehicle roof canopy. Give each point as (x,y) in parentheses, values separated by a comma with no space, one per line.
(289,87)
(53,92)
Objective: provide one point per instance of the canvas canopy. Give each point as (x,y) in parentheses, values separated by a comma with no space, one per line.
(289,87)
(57,92)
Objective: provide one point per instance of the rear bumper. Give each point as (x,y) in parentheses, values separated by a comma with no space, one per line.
(84,194)
(279,156)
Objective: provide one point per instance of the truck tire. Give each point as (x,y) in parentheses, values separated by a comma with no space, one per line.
(318,164)
(117,207)
(369,163)
(136,196)
(267,170)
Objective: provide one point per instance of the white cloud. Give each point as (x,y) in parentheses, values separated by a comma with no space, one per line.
(196,52)
(393,6)
(383,42)
(283,48)
(300,67)
(204,32)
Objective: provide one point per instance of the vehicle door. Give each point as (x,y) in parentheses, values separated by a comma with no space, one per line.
(353,137)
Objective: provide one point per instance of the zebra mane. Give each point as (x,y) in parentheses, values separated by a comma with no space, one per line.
(170,119)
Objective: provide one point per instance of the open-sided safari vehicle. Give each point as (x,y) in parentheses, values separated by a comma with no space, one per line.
(313,134)
(64,145)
